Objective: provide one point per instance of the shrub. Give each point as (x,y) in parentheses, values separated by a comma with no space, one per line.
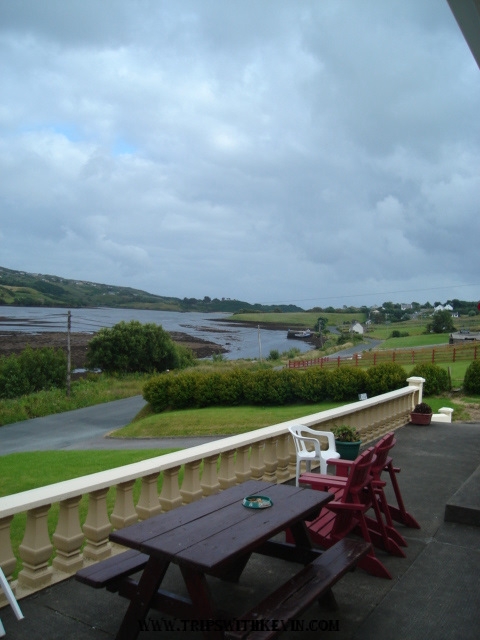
(399,334)
(208,389)
(274,354)
(422,407)
(157,392)
(385,377)
(183,390)
(436,378)
(471,381)
(267,388)
(33,370)
(311,385)
(346,383)
(231,393)
(131,347)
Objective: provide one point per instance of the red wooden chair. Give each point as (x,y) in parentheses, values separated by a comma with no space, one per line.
(346,513)
(383,534)
(385,463)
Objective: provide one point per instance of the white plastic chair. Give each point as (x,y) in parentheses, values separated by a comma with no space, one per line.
(11,599)
(306,438)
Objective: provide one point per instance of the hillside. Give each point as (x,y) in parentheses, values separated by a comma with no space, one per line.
(22,289)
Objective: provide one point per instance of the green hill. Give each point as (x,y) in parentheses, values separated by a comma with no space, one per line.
(22,289)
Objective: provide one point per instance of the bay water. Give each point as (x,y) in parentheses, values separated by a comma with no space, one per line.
(240,342)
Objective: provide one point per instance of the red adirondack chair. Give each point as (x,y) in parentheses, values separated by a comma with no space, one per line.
(385,463)
(346,513)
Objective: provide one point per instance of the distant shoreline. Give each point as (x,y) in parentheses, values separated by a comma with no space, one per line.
(13,342)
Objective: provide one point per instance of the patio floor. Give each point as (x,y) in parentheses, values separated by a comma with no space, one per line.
(435,591)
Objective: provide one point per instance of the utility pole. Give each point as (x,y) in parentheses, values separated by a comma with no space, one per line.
(69,355)
(259,344)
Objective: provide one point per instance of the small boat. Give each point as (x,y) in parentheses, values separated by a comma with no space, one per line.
(299,335)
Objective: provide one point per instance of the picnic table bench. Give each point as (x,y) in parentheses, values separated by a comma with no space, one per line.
(216,536)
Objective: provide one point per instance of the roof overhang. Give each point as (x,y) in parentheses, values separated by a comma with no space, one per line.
(467,14)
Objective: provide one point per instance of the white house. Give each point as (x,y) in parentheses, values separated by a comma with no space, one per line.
(357,328)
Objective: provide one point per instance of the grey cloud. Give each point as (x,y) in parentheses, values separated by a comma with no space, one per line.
(277,151)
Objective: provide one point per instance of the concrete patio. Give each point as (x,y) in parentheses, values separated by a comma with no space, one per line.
(435,591)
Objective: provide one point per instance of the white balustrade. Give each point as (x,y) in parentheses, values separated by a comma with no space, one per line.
(185,476)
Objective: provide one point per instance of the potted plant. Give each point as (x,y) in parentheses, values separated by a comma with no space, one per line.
(347,441)
(421,414)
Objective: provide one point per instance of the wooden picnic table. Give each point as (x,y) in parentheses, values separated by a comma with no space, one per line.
(215,536)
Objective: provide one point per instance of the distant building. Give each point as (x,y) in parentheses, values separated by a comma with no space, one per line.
(463,336)
(441,307)
(357,328)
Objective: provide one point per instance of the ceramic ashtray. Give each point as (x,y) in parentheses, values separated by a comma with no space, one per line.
(257,502)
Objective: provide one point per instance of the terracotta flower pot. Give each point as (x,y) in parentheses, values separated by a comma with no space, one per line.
(420,418)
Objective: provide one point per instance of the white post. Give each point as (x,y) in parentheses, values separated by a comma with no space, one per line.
(416,381)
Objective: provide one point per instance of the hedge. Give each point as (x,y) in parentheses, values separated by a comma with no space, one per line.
(268,387)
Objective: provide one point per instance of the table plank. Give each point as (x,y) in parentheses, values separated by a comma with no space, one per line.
(248,530)
(161,524)
(207,536)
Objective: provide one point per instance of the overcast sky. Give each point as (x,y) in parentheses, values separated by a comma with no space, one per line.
(315,152)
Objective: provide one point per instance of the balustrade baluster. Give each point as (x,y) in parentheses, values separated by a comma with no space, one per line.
(148,504)
(36,550)
(242,465)
(210,483)
(257,466)
(226,474)
(124,512)
(68,537)
(270,460)
(191,489)
(283,457)
(170,496)
(97,526)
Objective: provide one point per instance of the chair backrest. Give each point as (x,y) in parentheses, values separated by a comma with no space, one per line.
(382,449)
(359,475)
(301,435)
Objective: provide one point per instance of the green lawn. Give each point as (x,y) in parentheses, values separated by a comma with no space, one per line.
(216,420)
(420,340)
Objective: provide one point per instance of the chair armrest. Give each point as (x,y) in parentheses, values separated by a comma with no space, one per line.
(349,506)
(315,442)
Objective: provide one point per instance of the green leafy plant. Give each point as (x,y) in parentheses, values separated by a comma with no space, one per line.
(344,433)
(436,378)
(31,371)
(422,407)
(131,347)
(471,382)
